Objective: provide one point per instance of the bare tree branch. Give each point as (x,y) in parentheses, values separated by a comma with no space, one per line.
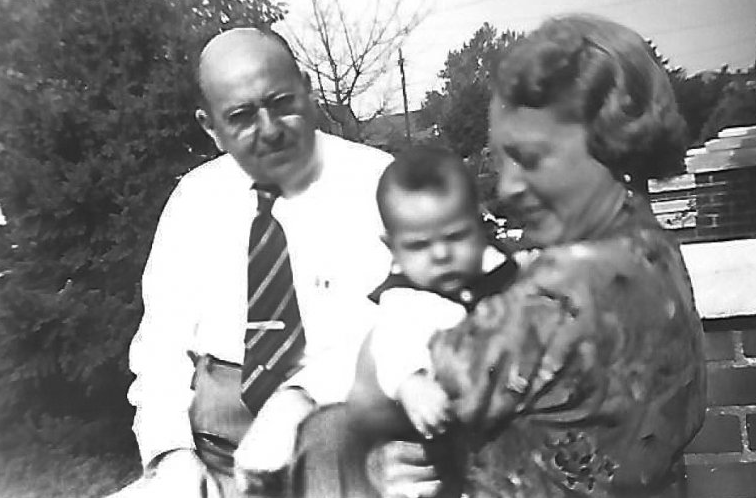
(351,48)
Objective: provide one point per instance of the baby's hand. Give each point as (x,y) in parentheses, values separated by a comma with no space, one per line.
(426,404)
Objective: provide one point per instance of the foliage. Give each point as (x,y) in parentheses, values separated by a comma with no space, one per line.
(460,109)
(64,457)
(348,50)
(697,96)
(97,99)
(736,107)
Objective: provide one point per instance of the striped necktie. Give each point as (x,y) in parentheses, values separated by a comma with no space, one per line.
(275,340)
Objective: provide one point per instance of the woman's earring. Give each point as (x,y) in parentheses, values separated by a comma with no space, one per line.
(627,180)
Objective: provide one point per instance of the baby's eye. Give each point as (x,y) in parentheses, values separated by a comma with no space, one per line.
(458,235)
(415,245)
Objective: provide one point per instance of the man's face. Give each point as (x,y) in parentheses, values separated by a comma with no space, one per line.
(436,239)
(260,111)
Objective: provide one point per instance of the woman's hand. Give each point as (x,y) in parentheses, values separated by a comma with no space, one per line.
(400,469)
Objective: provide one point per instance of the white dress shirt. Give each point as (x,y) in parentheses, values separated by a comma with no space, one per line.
(195,282)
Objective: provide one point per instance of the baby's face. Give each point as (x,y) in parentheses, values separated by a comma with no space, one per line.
(436,239)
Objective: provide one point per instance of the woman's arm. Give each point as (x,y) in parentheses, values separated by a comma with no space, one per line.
(590,336)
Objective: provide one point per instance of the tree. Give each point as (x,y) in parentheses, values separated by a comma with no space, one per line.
(348,50)
(97,99)
(697,96)
(737,107)
(460,109)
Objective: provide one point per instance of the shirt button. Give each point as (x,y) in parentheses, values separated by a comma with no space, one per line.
(466,296)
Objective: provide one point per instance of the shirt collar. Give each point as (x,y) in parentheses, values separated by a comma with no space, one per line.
(241,178)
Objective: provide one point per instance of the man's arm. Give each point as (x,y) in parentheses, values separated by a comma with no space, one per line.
(158,357)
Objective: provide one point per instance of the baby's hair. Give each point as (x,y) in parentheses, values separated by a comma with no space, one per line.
(427,169)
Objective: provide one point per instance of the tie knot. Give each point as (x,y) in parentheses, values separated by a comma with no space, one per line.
(266,196)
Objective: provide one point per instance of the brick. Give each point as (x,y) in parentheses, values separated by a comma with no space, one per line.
(719,434)
(731,323)
(731,386)
(707,220)
(751,426)
(719,346)
(730,480)
(749,343)
(743,203)
(714,209)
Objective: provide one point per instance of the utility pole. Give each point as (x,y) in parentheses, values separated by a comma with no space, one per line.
(404,95)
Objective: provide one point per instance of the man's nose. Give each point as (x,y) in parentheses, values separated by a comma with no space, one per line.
(269,128)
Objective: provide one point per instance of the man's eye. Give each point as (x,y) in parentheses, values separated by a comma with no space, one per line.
(282,102)
(242,116)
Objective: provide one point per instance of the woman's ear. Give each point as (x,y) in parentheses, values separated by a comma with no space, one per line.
(206,122)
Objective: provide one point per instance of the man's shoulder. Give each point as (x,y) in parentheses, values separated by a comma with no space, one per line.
(215,175)
(218,169)
(335,148)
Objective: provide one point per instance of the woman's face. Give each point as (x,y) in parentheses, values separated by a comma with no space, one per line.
(548,181)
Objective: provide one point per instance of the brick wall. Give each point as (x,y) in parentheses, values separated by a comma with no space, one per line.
(716,198)
(721,460)
(712,210)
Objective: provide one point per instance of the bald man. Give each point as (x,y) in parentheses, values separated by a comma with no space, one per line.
(257,108)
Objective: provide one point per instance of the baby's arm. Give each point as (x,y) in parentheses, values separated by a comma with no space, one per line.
(425,403)
(407,320)
(268,445)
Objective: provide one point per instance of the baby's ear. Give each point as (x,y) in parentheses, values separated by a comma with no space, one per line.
(386,239)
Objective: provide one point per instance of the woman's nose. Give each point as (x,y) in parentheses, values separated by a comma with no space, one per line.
(511,183)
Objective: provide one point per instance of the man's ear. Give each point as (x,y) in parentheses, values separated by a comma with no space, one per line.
(206,122)
(307,81)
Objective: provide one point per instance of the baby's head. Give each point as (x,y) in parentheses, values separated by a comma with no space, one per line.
(429,206)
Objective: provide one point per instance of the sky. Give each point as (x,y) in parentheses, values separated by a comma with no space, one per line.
(695,34)
(698,35)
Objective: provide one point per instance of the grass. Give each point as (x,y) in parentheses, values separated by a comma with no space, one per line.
(66,458)
(56,473)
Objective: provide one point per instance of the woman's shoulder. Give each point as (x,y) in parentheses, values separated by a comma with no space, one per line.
(639,267)
(643,250)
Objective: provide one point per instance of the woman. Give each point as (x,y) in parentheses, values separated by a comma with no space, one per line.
(586,376)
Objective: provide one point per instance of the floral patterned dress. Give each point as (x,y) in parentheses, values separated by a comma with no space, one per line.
(586,376)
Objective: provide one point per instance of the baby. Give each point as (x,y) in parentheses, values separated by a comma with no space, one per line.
(433,226)
(428,203)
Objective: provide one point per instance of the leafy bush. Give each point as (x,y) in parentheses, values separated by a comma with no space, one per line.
(97,99)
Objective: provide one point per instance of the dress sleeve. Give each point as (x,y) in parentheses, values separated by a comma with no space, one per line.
(586,333)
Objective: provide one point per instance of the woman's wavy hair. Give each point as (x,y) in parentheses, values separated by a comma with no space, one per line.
(604,75)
